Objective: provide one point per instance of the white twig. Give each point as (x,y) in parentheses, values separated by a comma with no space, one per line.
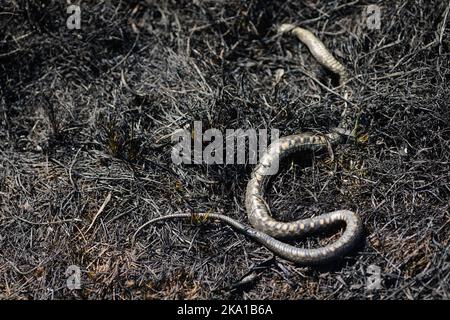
(108,198)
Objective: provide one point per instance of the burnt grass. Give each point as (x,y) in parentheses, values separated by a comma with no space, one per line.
(86,118)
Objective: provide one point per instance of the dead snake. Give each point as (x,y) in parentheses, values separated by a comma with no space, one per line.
(266,228)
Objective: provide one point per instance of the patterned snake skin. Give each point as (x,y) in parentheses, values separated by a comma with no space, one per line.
(266,228)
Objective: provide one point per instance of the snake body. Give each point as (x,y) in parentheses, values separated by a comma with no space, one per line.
(260,218)
(266,228)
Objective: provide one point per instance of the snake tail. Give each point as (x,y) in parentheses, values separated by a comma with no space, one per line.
(291,253)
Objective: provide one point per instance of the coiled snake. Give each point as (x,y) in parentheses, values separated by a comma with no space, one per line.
(266,228)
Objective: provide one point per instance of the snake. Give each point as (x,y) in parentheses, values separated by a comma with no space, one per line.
(268,231)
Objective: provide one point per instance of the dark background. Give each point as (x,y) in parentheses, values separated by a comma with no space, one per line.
(87,113)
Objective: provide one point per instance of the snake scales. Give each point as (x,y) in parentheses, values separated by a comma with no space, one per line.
(266,228)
